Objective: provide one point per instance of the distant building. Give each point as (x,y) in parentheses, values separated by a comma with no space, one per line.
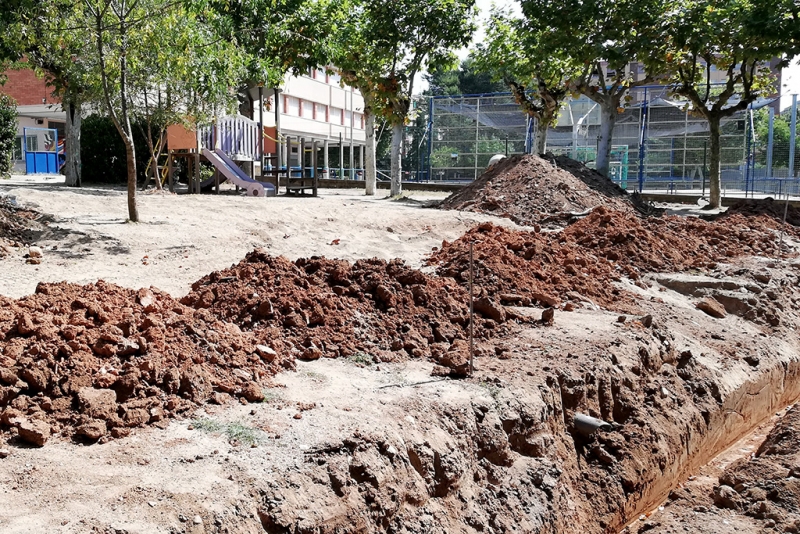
(37,112)
(316,108)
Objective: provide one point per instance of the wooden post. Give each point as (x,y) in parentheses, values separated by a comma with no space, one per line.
(197,162)
(171,174)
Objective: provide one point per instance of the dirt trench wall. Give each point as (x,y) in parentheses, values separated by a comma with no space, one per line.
(510,461)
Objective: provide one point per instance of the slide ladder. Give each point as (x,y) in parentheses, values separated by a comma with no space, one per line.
(228,168)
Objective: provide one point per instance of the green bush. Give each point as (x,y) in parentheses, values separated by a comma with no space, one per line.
(8,133)
(103,152)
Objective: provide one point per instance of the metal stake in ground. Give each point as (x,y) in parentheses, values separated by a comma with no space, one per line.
(471,316)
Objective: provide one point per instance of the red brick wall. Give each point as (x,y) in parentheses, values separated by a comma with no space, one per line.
(26,88)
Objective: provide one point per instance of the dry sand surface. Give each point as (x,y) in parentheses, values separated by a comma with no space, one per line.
(183,237)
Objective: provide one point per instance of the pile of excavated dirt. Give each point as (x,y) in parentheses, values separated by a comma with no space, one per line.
(531,190)
(15,223)
(579,262)
(318,307)
(767,486)
(97,360)
(766,209)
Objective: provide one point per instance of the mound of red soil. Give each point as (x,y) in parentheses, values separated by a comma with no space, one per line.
(767,209)
(521,266)
(531,190)
(767,486)
(319,307)
(97,359)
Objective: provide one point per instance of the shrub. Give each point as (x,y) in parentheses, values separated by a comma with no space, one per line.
(8,133)
(103,152)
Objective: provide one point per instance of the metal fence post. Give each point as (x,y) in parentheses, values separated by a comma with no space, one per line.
(792,136)
(770,141)
(642,140)
(430,137)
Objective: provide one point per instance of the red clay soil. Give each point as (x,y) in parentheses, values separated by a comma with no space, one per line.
(767,210)
(767,486)
(99,359)
(581,261)
(531,190)
(318,307)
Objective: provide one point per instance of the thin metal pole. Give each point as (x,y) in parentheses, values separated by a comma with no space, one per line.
(471,315)
(770,141)
(792,136)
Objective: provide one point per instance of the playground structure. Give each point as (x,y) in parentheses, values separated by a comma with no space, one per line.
(229,140)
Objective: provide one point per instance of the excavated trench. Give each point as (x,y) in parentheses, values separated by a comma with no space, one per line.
(677,391)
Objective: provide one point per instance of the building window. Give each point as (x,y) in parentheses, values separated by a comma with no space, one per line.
(334,79)
(348,118)
(336,116)
(18,148)
(308,109)
(361,120)
(32,143)
(320,112)
(292,106)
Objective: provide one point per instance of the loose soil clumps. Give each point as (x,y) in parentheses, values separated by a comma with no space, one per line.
(15,223)
(97,360)
(318,307)
(580,262)
(531,190)
(767,486)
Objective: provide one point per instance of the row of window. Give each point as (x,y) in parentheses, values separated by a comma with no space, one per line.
(320,112)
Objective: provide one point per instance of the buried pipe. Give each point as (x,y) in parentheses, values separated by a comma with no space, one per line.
(586,425)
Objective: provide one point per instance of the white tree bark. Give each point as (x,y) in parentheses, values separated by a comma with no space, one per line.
(397,159)
(370,172)
(72,143)
(608,118)
(541,136)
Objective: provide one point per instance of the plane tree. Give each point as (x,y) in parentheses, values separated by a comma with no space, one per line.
(390,42)
(610,41)
(719,54)
(520,56)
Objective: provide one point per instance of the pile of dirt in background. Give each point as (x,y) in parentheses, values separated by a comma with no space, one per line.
(97,360)
(767,486)
(579,262)
(318,307)
(764,209)
(15,224)
(531,190)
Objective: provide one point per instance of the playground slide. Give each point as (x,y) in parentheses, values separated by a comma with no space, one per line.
(236,176)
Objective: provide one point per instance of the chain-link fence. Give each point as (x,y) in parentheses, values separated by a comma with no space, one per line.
(658,144)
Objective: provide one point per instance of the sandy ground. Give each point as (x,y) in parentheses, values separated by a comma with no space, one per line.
(183,237)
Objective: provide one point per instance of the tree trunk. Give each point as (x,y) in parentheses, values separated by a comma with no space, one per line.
(608,118)
(130,153)
(541,136)
(370,172)
(715,198)
(72,143)
(397,159)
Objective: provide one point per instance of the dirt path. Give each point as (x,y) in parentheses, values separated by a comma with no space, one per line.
(183,237)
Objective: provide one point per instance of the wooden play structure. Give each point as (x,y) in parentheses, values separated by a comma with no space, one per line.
(225,144)
(252,160)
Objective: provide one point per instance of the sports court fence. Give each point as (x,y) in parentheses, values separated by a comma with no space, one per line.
(658,144)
